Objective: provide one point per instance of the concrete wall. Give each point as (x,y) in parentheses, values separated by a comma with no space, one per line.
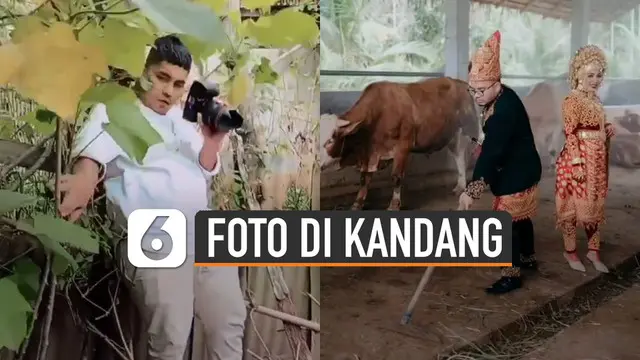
(543,102)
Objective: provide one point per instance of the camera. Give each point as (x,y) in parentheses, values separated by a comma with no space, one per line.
(214,115)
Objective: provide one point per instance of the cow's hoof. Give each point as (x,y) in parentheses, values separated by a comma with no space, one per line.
(458,190)
(357,206)
(394,206)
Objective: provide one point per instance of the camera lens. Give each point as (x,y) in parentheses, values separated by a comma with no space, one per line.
(229,120)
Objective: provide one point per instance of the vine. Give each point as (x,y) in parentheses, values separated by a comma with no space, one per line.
(68,55)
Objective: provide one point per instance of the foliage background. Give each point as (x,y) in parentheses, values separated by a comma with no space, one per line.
(59,57)
(408,35)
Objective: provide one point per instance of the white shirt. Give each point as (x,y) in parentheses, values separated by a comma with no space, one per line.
(170,176)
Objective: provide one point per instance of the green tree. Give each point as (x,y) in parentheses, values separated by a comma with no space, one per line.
(66,56)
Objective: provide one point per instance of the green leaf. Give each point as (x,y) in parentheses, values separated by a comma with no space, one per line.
(53,68)
(105,93)
(64,232)
(258,4)
(61,263)
(287,28)
(11,200)
(131,144)
(129,128)
(12,299)
(125,46)
(27,276)
(200,50)
(25,26)
(123,110)
(13,329)
(135,18)
(239,87)
(235,18)
(46,12)
(92,33)
(185,17)
(218,6)
(28,273)
(128,55)
(41,120)
(48,243)
(13,315)
(264,73)
(58,251)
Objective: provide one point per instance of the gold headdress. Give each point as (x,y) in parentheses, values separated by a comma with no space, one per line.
(586,55)
(485,64)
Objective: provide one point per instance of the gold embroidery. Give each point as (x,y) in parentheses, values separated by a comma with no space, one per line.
(476,188)
(591,134)
(577,161)
(582,202)
(520,206)
(511,271)
(569,235)
(593,235)
(485,64)
(586,55)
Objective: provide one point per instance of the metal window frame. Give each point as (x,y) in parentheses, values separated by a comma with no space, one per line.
(389,73)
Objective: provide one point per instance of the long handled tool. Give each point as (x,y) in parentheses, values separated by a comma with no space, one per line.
(406,318)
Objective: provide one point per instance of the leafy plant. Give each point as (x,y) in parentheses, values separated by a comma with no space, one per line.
(68,55)
(356,35)
(297,199)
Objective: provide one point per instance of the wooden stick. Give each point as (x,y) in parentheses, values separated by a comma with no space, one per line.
(406,318)
(312,325)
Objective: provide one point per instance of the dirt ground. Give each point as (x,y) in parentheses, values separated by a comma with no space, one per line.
(362,307)
(609,333)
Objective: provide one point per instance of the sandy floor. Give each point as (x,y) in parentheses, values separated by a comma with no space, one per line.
(362,307)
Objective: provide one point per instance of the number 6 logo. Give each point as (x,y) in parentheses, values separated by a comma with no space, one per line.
(158,228)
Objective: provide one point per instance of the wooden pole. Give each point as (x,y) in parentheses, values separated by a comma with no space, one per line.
(406,318)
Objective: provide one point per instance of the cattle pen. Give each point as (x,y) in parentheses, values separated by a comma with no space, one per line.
(66,325)
(454,319)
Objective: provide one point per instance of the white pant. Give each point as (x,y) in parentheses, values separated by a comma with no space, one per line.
(169,298)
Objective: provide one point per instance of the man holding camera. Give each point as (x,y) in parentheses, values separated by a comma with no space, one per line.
(174,175)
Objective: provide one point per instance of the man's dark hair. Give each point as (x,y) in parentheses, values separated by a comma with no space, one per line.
(169,48)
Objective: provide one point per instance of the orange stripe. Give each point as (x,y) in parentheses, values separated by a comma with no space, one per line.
(358,264)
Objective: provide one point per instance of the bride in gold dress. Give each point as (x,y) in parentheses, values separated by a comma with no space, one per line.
(582,174)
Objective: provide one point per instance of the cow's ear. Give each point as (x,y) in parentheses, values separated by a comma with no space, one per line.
(347,128)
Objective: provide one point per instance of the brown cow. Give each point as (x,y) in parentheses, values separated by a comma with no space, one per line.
(391,120)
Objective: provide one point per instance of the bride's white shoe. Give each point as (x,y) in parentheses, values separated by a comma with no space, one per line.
(575,264)
(597,263)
